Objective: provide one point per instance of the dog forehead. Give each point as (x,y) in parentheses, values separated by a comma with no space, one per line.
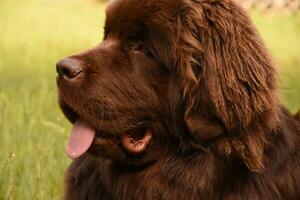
(129,16)
(129,10)
(141,9)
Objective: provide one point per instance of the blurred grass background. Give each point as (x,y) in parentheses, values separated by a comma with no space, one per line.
(34,34)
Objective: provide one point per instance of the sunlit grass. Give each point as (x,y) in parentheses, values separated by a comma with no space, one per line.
(34,34)
(33,132)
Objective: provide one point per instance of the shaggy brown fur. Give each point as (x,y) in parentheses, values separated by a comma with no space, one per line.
(197,73)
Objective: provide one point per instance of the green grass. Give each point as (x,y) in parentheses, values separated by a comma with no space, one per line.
(34,34)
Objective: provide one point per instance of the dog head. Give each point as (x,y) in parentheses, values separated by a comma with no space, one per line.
(167,75)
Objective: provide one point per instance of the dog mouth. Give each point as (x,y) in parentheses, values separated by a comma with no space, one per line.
(83,136)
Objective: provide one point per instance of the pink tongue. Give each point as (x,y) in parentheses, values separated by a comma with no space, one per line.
(81,138)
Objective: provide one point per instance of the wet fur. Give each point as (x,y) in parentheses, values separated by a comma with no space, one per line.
(208,87)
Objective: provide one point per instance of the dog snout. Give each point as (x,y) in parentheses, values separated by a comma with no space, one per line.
(69,68)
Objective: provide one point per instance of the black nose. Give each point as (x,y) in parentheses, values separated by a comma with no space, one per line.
(69,68)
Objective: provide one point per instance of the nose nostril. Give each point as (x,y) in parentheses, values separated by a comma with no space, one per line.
(66,73)
(69,73)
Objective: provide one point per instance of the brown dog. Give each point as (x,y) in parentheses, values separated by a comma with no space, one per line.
(179,101)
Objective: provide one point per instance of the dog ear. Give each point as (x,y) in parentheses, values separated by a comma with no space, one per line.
(229,81)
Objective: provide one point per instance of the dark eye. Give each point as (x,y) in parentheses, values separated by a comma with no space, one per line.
(138,47)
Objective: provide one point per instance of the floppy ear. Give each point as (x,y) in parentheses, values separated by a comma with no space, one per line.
(229,81)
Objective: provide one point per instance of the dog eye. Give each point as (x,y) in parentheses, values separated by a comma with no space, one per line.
(138,48)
